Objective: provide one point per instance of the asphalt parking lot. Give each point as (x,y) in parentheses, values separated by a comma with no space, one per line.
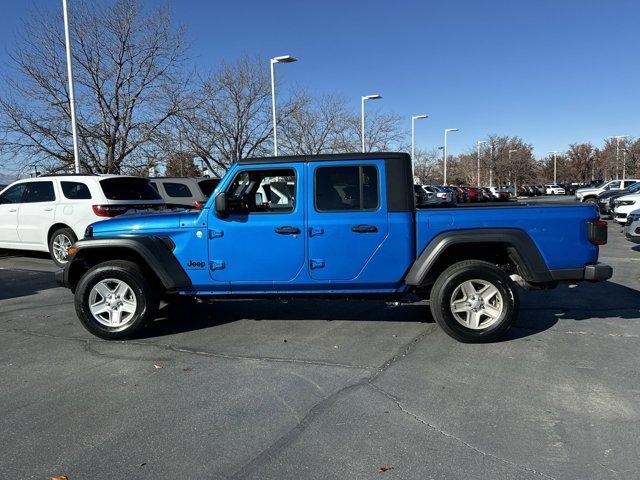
(318,389)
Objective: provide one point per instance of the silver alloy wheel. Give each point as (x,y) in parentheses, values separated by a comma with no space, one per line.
(476,304)
(112,302)
(60,246)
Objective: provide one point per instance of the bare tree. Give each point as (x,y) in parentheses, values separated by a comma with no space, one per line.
(427,167)
(383,132)
(128,72)
(231,114)
(315,126)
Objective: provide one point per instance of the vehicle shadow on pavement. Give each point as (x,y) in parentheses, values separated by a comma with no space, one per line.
(541,310)
(23,283)
(189,316)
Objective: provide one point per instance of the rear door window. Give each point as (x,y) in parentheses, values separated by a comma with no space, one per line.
(75,190)
(177,190)
(37,192)
(346,188)
(128,188)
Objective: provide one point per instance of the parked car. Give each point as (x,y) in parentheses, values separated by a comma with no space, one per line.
(460,194)
(499,194)
(606,198)
(631,229)
(510,189)
(625,205)
(590,194)
(474,194)
(553,189)
(452,192)
(487,196)
(350,228)
(49,213)
(183,192)
(443,195)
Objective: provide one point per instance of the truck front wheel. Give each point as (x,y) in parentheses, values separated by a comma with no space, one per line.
(114,300)
(474,301)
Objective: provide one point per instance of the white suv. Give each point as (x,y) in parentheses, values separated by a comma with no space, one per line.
(553,189)
(50,213)
(625,205)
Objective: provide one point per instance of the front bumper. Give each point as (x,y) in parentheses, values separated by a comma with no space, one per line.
(62,276)
(632,232)
(595,272)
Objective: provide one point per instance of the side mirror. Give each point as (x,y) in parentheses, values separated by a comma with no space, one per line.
(221,204)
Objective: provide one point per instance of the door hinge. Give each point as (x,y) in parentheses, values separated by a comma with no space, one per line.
(316,263)
(313,231)
(215,234)
(216,265)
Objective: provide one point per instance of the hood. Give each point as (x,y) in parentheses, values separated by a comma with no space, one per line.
(588,190)
(612,194)
(145,222)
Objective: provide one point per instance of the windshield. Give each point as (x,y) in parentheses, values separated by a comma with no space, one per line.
(129,188)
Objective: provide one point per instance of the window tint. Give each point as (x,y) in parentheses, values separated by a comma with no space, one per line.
(346,188)
(177,190)
(154,185)
(13,194)
(628,183)
(254,191)
(75,190)
(36,192)
(208,186)
(613,185)
(128,188)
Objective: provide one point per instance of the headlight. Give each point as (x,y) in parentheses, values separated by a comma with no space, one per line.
(633,217)
(625,202)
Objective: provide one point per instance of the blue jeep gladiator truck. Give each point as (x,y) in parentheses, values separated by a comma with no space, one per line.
(332,225)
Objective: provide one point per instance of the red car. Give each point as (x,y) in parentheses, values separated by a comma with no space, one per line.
(475,195)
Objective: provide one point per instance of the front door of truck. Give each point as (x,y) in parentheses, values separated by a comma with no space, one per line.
(261,240)
(347,217)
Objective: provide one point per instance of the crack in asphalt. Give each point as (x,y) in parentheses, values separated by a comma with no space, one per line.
(462,442)
(323,405)
(166,346)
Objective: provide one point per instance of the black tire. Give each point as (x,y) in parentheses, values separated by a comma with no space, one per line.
(66,232)
(591,200)
(446,286)
(128,272)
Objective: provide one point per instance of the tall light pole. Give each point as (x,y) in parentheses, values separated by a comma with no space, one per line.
(280,59)
(413,133)
(624,163)
(365,98)
(555,166)
(618,138)
(491,167)
(480,142)
(72,103)
(446,133)
(515,186)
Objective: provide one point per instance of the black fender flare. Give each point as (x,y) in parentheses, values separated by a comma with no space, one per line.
(154,251)
(521,248)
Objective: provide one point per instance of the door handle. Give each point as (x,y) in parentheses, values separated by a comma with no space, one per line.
(287,230)
(364,229)
(13,210)
(48,209)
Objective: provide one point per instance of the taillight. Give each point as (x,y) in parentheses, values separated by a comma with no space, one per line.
(597,232)
(108,210)
(198,205)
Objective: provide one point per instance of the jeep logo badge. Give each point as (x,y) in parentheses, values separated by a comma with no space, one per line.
(193,264)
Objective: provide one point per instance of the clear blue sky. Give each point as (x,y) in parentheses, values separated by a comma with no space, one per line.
(552,71)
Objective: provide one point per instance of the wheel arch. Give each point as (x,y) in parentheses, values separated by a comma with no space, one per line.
(152,254)
(499,246)
(58,226)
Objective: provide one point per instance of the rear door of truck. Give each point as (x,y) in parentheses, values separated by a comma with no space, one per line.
(347,217)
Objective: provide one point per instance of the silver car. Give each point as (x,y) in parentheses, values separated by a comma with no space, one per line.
(631,229)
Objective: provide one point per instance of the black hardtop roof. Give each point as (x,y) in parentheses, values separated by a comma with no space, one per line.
(326,157)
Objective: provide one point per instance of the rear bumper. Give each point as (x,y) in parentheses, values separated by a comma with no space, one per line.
(595,272)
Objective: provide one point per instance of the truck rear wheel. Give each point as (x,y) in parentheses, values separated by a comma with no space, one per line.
(114,300)
(474,301)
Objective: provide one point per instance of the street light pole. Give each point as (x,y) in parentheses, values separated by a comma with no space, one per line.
(555,166)
(491,168)
(280,59)
(413,141)
(72,103)
(515,181)
(480,142)
(366,97)
(618,138)
(624,163)
(446,133)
